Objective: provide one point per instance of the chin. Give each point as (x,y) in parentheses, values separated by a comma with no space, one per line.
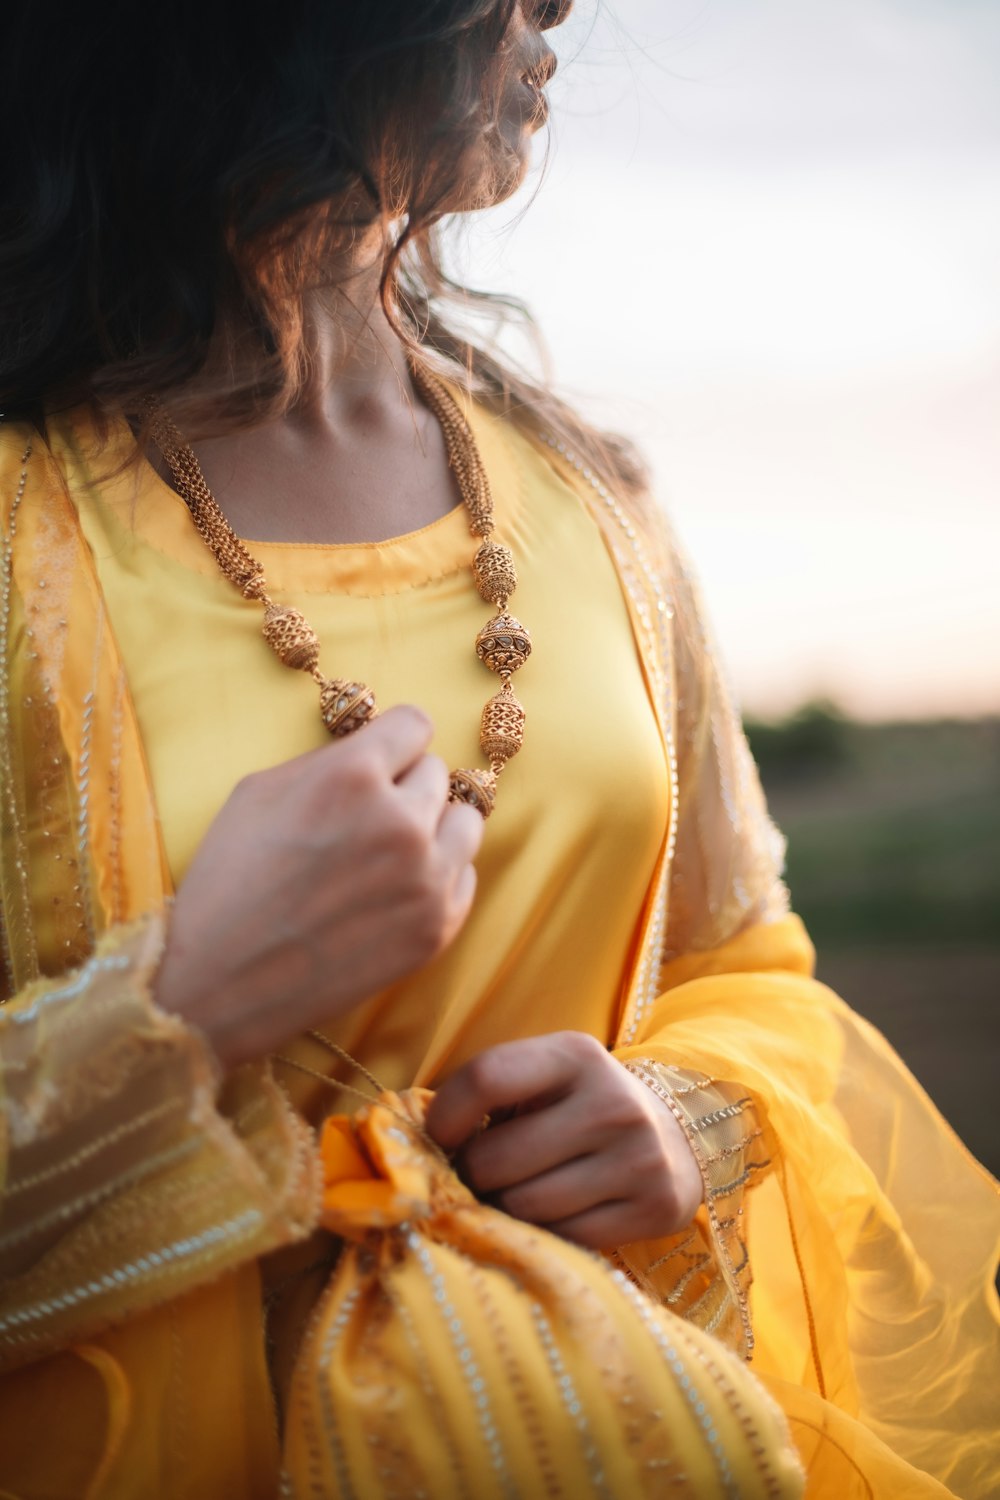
(506,185)
(500,176)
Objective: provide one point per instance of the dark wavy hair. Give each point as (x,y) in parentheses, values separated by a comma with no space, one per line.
(174,183)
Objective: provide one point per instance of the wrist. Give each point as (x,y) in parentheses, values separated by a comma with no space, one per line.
(183,987)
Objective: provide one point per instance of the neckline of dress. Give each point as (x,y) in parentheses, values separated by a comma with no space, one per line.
(151,512)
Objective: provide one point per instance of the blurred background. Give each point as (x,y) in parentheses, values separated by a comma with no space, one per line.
(767,247)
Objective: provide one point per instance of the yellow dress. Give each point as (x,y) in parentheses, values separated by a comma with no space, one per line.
(629,886)
(573,843)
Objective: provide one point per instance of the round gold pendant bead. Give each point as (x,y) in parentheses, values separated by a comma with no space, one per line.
(503,644)
(345,706)
(475,788)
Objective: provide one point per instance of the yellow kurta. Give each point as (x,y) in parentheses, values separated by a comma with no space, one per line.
(140,1200)
(571,849)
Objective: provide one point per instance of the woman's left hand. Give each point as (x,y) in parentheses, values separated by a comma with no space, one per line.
(591,1153)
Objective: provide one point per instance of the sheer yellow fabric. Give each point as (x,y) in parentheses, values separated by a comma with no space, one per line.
(870,1233)
(872,1237)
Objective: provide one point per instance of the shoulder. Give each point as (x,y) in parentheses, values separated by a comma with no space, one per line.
(27,468)
(20,447)
(48,462)
(26,471)
(547,455)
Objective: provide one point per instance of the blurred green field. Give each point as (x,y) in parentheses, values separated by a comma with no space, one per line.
(894,864)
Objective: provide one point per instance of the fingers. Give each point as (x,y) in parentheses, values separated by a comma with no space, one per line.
(513,1073)
(396,739)
(460,834)
(425,787)
(607,1226)
(592,1155)
(462,897)
(597,1201)
(573,1188)
(529,1144)
(459,837)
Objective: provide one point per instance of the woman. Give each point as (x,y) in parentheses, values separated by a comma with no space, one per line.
(222,320)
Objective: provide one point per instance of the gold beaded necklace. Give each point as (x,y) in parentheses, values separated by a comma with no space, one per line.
(503,644)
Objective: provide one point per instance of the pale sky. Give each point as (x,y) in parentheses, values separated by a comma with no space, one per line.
(768,247)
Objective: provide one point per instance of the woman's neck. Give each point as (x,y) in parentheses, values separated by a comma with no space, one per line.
(355,366)
(358,458)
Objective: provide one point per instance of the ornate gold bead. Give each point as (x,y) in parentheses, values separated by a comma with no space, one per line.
(346,706)
(501,732)
(252,585)
(496,578)
(291,637)
(504,644)
(476,788)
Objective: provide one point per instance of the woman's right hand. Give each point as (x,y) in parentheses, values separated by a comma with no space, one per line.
(320,882)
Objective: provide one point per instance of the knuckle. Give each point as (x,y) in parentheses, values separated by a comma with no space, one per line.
(358,773)
(246,789)
(409,712)
(651,1159)
(419,951)
(437,926)
(424,945)
(515,1202)
(665,1204)
(429,925)
(619,1111)
(481,1072)
(439,768)
(472,826)
(410,842)
(583,1046)
(475,1171)
(619,1119)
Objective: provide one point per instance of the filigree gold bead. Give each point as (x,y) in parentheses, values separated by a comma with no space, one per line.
(501,732)
(503,645)
(475,788)
(496,578)
(291,637)
(346,706)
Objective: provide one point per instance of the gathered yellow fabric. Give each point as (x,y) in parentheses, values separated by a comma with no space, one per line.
(608,1394)
(629,886)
